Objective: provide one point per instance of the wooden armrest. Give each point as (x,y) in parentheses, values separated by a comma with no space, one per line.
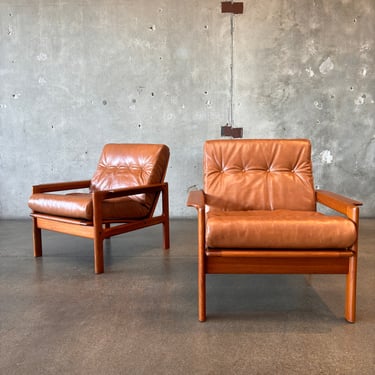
(59,186)
(196,199)
(337,202)
(132,190)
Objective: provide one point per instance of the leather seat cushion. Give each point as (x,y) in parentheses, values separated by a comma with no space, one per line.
(79,206)
(278,229)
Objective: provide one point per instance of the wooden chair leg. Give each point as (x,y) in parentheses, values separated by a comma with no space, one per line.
(202,297)
(37,239)
(166,239)
(351,287)
(97,198)
(98,247)
(165,204)
(98,254)
(201,267)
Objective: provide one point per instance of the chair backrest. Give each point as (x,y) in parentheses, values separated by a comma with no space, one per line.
(127,165)
(259,174)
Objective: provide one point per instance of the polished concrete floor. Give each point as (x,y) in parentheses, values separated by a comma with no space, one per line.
(140,317)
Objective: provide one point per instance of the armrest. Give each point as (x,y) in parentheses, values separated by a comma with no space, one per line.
(132,190)
(59,186)
(338,203)
(196,199)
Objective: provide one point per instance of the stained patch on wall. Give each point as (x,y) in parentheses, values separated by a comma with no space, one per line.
(326,157)
(326,66)
(42,57)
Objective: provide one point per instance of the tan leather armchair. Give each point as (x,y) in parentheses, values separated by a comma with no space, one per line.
(257,213)
(122,197)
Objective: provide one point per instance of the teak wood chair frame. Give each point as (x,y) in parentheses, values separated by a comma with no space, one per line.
(261,261)
(100,229)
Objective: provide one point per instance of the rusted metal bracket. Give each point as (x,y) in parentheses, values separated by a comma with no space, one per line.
(230,7)
(228,131)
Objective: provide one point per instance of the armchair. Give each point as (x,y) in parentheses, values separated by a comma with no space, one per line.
(257,214)
(124,192)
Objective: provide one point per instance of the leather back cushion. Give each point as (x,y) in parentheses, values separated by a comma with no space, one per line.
(259,174)
(126,165)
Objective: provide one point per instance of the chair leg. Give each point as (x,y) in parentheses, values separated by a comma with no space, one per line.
(165,208)
(97,199)
(201,267)
(37,239)
(166,234)
(351,287)
(202,297)
(98,252)
(201,288)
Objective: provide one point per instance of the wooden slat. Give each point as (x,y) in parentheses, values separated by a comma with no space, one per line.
(227,265)
(279,253)
(128,227)
(65,227)
(62,219)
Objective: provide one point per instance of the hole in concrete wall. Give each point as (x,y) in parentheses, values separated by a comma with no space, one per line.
(139,125)
(152,94)
(105,102)
(134,101)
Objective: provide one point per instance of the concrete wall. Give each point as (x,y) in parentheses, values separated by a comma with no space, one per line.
(76,74)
